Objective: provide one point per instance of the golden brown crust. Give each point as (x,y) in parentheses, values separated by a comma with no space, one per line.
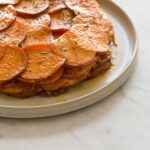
(20,89)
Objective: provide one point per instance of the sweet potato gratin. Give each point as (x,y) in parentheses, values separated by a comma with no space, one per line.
(47,46)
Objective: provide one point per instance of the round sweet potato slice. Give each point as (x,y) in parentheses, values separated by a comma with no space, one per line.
(41,20)
(103,24)
(53,78)
(88,7)
(61,84)
(7,16)
(62,20)
(15,34)
(76,73)
(20,89)
(31,7)
(30,22)
(6,2)
(91,38)
(39,34)
(56,5)
(75,55)
(43,61)
(12,63)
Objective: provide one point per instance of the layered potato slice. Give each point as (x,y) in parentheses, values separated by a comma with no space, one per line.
(61,21)
(15,34)
(87,7)
(43,61)
(32,7)
(104,24)
(7,16)
(80,45)
(43,19)
(56,5)
(30,22)
(12,63)
(53,78)
(74,54)
(38,34)
(20,89)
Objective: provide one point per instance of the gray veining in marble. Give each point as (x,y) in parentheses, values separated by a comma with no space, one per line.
(121,122)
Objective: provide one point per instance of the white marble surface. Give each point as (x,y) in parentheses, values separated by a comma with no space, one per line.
(121,122)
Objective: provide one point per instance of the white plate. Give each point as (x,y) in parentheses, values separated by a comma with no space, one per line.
(87,92)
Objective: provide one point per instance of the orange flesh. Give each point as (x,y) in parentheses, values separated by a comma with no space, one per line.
(62,20)
(13,63)
(42,62)
(14,35)
(32,7)
(56,5)
(7,16)
(39,34)
(74,54)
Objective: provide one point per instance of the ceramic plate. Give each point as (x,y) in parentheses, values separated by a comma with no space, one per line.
(88,92)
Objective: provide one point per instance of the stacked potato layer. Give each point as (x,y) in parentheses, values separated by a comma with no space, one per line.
(47,46)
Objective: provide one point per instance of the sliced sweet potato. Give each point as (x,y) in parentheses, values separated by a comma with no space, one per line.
(101,67)
(20,89)
(29,22)
(31,7)
(7,16)
(75,55)
(103,24)
(91,38)
(6,2)
(88,7)
(12,63)
(43,62)
(56,5)
(41,20)
(2,52)
(39,34)
(54,86)
(76,73)
(61,84)
(53,78)
(61,20)
(15,34)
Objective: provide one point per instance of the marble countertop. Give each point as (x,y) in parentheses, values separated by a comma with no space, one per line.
(121,122)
